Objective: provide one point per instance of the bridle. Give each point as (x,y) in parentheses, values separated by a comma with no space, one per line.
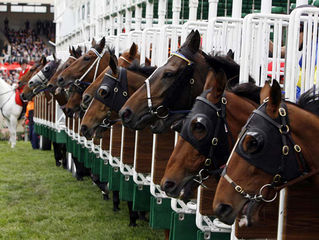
(211,166)
(127,61)
(116,97)
(279,180)
(161,111)
(96,62)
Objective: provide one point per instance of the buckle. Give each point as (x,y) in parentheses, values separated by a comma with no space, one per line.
(208,162)
(297,148)
(239,189)
(285,150)
(214,141)
(282,112)
(284,129)
(224,100)
(276,178)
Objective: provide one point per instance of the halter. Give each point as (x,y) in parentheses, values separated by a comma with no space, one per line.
(96,61)
(156,112)
(72,57)
(282,176)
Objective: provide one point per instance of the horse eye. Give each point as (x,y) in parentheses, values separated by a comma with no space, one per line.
(46,69)
(86,58)
(198,129)
(104,91)
(253,143)
(168,74)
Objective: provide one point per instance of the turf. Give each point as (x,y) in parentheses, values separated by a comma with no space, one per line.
(40,201)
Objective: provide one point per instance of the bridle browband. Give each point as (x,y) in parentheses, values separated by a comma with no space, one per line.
(156,112)
(279,181)
(127,61)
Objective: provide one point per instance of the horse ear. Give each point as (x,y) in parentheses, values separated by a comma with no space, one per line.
(133,50)
(54,57)
(265,91)
(274,98)
(194,41)
(230,54)
(78,52)
(101,45)
(70,50)
(217,82)
(43,60)
(93,43)
(113,64)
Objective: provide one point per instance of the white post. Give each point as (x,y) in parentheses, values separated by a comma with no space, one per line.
(266,6)
(128,20)
(301,2)
(213,6)
(161,11)
(149,14)
(193,5)
(237,8)
(176,11)
(119,23)
(112,25)
(138,17)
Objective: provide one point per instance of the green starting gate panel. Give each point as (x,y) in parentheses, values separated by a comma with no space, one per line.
(126,188)
(183,226)
(104,170)
(81,156)
(160,213)
(212,235)
(60,137)
(96,165)
(141,198)
(114,178)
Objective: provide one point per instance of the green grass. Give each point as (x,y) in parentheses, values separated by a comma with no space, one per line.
(40,201)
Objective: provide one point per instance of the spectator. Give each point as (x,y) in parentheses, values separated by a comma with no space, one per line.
(6,25)
(34,138)
(27,25)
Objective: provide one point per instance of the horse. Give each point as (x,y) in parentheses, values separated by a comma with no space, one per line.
(106,103)
(206,135)
(125,60)
(277,133)
(180,80)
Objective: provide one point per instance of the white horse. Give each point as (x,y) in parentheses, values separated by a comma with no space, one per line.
(9,109)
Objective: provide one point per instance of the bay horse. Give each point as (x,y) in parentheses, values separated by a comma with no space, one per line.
(276,148)
(74,102)
(106,104)
(125,60)
(181,78)
(207,133)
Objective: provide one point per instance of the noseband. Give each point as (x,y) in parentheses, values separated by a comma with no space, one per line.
(161,111)
(291,169)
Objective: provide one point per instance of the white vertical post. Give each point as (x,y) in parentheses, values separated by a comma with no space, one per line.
(237,8)
(212,12)
(119,23)
(193,5)
(281,213)
(176,11)
(161,11)
(128,20)
(149,14)
(266,6)
(301,2)
(138,17)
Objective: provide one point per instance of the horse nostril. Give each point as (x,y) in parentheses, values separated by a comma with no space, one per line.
(126,115)
(169,186)
(223,210)
(60,80)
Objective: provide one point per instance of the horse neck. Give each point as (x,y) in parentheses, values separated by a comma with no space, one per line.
(305,132)
(238,110)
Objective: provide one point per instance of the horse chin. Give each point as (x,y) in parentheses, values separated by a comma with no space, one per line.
(184,190)
(29,96)
(99,132)
(249,214)
(143,121)
(161,125)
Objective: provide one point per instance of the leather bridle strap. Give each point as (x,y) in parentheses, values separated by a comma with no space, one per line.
(96,61)
(125,60)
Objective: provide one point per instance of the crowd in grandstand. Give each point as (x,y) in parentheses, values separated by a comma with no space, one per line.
(25,46)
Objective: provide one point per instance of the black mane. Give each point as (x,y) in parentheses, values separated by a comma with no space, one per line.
(309,101)
(228,66)
(247,90)
(146,71)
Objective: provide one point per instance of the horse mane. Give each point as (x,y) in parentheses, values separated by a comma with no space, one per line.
(309,101)
(226,64)
(146,71)
(247,90)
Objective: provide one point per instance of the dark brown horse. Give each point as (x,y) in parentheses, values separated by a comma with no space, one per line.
(105,106)
(173,86)
(277,148)
(204,143)
(125,60)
